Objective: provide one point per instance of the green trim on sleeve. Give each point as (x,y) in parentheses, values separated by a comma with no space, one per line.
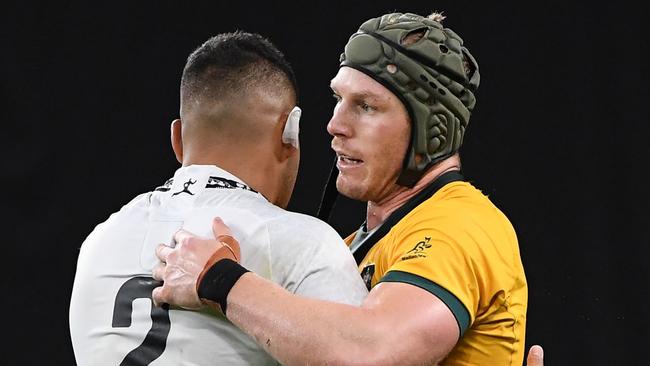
(453,303)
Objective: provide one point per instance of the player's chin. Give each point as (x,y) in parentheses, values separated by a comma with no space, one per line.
(352,187)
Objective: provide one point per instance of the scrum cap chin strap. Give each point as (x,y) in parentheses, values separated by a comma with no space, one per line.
(328,199)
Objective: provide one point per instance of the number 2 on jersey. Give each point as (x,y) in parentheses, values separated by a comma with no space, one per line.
(156,339)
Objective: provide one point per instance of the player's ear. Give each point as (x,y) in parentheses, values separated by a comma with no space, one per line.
(177,139)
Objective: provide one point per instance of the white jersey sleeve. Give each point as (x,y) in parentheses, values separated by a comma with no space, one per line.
(310,259)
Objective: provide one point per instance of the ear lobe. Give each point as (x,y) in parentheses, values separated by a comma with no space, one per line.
(177,139)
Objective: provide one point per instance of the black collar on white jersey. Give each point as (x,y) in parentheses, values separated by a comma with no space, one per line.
(213,182)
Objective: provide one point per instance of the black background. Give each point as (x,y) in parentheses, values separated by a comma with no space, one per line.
(558,140)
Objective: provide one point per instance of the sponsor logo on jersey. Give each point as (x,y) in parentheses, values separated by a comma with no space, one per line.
(186,187)
(418,250)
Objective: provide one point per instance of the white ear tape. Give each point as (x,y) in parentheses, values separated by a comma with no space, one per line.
(292,127)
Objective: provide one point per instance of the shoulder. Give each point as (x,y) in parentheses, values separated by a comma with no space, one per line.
(300,227)
(460,206)
(304,236)
(462,226)
(250,213)
(312,260)
(461,218)
(253,208)
(124,212)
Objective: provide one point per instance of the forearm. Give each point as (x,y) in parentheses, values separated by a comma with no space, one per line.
(398,323)
(299,331)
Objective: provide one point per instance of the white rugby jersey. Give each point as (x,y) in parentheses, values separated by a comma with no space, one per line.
(112,318)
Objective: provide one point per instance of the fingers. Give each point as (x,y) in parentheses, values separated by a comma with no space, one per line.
(219,228)
(223,234)
(179,270)
(535,356)
(181,236)
(162,251)
(158,272)
(157,296)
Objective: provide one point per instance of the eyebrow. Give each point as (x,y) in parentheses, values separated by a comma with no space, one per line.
(363,93)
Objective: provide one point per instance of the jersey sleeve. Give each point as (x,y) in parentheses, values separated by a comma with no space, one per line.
(439,262)
(310,259)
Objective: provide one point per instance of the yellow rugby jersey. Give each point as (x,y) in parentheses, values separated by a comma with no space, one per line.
(461,248)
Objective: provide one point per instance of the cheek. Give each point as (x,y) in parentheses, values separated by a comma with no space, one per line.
(388,155)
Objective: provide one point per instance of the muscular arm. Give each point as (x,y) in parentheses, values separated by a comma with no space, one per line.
(397,324)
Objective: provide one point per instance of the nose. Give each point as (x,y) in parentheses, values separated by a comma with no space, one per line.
(338,125)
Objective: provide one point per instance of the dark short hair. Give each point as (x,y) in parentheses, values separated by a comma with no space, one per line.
(229,64)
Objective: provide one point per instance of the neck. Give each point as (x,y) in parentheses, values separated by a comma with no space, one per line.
(258,174)
(377,212)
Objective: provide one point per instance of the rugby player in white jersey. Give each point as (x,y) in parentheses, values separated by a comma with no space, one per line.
(237,140)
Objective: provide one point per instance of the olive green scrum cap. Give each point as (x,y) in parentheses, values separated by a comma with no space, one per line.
(435,78)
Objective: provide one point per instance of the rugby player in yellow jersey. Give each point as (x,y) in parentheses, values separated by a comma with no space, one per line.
(442,262)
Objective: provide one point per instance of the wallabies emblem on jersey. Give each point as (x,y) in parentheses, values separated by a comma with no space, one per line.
(419,249)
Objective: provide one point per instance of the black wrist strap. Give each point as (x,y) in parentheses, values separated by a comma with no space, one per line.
(219,280)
